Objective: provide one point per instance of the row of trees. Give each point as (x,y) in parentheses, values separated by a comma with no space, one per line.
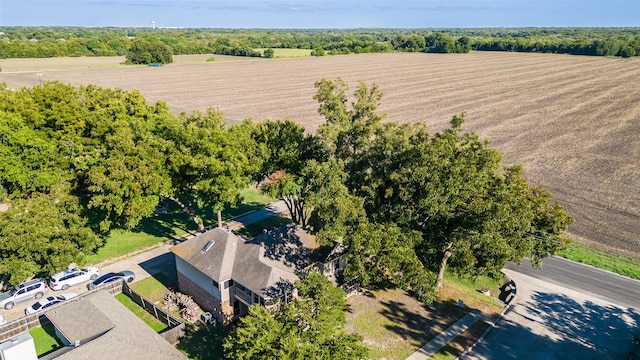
(600,47)
(21,42)
(406,202)
(77,163)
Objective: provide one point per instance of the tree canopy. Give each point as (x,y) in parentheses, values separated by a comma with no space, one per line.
(409,203)
(41,42)
(308,327)
(143,51)
(110,159)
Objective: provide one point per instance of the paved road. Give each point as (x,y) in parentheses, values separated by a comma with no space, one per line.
(565,311)
(273,209)
(548,321)
(144,264)
(586,279)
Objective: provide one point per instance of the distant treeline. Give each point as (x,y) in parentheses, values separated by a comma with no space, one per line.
(39,42)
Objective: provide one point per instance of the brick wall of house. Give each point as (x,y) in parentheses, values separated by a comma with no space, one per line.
(206,301)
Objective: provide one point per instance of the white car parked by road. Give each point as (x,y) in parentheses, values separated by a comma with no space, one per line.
(48,301)
(64,279)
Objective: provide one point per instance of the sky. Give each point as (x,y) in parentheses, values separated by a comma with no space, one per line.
(321,14)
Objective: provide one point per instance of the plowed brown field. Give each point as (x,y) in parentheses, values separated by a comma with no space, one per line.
(573,122)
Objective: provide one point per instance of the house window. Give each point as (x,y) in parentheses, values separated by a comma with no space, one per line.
(215,284)
(256,299)
(228,283)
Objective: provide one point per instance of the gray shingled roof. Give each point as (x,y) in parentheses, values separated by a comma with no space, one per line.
(79,321)
(128,338)
(217,262)
(266,261)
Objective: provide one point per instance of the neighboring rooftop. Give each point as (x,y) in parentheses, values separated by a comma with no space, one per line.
(107,330)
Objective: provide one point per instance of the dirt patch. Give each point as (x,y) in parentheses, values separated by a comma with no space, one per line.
(394,324)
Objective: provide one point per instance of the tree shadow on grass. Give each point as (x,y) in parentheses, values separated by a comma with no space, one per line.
(420,322)
(204,342)
(169,223)
(162,268)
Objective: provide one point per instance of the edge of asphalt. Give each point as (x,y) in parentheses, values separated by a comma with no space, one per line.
(492,324)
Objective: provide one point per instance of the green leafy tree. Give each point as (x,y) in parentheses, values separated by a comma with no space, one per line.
(438,42)
(334,211)
(269,53)
(309,327)
(284,149)
(463,44)
(144,51)
(127,181)
(43,234)
(348,132)
(451,187)
(383,254)
(206,162)
(288,187)
(283,145)
(29,161)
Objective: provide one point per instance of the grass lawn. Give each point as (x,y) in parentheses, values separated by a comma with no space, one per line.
(394,324)
(289,53)
(602,259)
(155,287)
(256,228)
(468,290)
(45,339)
(149,319)
(204,342)
(171,224)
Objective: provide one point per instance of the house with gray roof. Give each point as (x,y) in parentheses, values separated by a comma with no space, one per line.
(99,327)
(225,273)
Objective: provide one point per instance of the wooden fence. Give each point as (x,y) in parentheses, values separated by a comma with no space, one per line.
(175,327)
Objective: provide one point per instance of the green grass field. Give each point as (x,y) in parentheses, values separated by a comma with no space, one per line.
(289,53)
(153,323)
(45,339)
(173,223)
(155,287)
(601,259)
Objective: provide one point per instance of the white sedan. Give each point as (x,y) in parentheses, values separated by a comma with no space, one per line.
(48,301)
(64,279)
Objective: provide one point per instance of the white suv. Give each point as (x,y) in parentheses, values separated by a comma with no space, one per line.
(28,290)
(64,279)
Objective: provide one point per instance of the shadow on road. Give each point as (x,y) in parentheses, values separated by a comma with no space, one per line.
(603,332)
